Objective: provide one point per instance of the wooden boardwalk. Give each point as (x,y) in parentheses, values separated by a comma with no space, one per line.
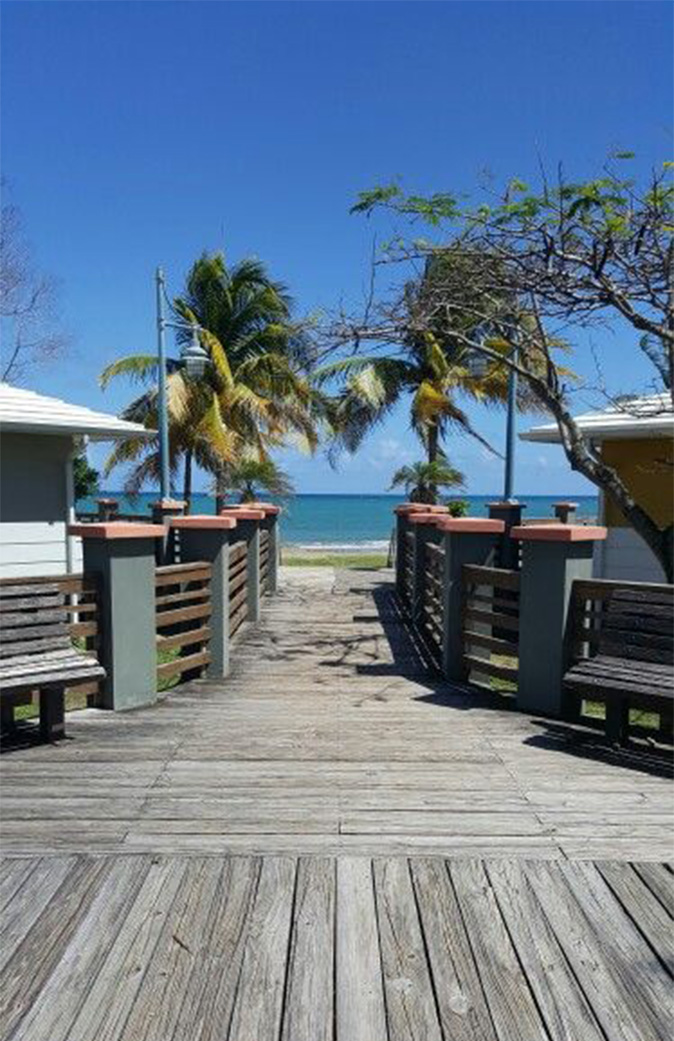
(333,846)
(178,948)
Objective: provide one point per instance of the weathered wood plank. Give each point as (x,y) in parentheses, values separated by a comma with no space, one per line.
(410,1002)
(360,1007)
(310,1000)
(645,910)
(508,995)
(560,999)
(259,1000)
(463,1011)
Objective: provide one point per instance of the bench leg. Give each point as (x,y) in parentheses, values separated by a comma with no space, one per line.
(52,713)
(617,719)
(6,715)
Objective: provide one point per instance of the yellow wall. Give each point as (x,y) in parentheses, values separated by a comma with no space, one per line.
(645,466)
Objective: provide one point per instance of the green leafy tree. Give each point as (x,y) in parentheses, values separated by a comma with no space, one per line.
(421,480)
(255,394)
(85,477)
(252,478)
(571,254)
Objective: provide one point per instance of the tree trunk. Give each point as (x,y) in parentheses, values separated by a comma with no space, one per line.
(432,449)
(187,481)
(220,493)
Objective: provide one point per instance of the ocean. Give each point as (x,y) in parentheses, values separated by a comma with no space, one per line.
(334,522)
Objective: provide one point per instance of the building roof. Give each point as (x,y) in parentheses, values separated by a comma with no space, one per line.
(24,411)
(650,416)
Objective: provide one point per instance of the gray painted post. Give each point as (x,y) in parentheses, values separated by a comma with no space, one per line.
(271,524)
(403,514)
(565,512)
(162,513)
(248,529)
(122,555)
(424,532)
(552,557)
(208,538)
(467,540)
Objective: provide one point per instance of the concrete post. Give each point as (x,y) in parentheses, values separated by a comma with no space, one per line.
(162,513)
(553,555)
(511,515)
(107,509)
(565,512)
(208,538)
(270,523)
(122,555)
(403,514)
(248,529)
(467,540)
(423,525)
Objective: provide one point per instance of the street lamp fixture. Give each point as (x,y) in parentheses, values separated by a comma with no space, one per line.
(193,358)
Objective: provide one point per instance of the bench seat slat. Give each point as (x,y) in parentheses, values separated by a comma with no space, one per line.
(23,618)
(60,677)
(14,648)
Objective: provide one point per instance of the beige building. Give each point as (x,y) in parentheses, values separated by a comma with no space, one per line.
(637,438)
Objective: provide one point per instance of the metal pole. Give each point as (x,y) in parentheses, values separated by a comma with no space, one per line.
(164,479)
(510,436)
(509,426)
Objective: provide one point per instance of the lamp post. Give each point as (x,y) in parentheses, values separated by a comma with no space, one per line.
(192,358)
(477,364)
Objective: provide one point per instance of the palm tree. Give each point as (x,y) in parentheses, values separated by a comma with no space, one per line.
(252,477)
(428,359)
(254,395)
(422,479)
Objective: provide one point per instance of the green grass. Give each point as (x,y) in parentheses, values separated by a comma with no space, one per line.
(349,560)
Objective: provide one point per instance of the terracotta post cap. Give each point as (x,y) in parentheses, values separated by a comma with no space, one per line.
(116,530)
(169,504)
(419,507)
(566,502)
(423,517)
(558,533)
(471,525)
(270,508)
(242,513)
(201,521)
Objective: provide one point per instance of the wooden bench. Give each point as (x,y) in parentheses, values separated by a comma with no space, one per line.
(36,653)
(633,667)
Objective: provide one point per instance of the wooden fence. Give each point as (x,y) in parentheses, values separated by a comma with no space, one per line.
(82,605)
(432,600)
(490,623)
(183,606)
(238,586)
(264,561)
(407,567)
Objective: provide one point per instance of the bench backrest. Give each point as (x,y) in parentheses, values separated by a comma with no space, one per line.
(33,619)
(639,625)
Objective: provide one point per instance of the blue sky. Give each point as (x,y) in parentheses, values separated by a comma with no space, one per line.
(143,133)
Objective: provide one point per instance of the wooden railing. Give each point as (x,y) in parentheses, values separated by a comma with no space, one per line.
(183,606)
(432,601)
(264,562)
(490,623)
(238,586)
(408,567)
(82,605)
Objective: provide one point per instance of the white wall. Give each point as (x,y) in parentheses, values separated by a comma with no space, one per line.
(624,555)
(33,505)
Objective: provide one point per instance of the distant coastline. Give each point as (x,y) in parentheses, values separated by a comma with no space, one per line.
(348,523)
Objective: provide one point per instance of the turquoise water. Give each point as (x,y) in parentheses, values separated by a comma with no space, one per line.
(341,521)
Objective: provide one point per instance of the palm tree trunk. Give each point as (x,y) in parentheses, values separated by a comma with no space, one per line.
(187,481)
(432,443)
(432,448)
(220,492)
